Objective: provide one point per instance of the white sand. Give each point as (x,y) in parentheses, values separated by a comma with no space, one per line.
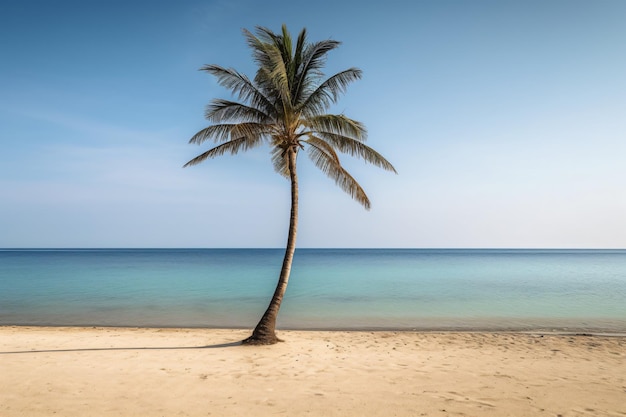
(197,372)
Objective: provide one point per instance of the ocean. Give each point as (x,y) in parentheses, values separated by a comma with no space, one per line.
(422,289)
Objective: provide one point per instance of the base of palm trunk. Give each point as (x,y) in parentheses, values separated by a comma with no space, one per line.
(264,333)
(261,340)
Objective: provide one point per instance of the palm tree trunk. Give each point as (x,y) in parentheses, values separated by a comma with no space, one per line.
(265,331)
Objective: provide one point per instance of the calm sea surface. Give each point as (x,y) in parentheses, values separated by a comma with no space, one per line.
(329,288)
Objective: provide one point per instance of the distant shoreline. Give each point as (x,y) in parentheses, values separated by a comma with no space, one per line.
(426,330)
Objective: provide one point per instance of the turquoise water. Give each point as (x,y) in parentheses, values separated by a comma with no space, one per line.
(329,288)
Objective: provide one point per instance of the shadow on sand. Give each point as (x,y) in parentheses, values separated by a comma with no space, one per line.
(217,346)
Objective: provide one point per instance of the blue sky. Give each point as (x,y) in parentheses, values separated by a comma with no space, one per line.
(505,119)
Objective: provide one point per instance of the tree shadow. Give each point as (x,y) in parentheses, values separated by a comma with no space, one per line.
(216,346)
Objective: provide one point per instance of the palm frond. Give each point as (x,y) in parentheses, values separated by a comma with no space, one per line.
(315,55)
(337,124)
(273,56)
(312,59)
(256,45)
(226,131)
(233,146)
(300,45)
(221,110)
(264,35)
(241,86)
(357,149)
(283,43)
(329,91)
(323,146)
(278,74)
(324,157)
(218,133)
(280,161)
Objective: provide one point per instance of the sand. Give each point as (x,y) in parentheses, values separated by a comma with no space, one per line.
(204,372)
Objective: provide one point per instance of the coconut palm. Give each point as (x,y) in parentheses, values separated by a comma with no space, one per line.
(284,107)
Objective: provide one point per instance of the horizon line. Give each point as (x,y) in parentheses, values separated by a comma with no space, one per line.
(305,247)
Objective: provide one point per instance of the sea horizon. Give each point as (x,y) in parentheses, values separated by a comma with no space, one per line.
(308,247)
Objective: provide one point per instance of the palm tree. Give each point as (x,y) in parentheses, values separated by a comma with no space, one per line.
(284,106)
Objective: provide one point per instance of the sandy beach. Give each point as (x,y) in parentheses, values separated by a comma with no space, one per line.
(204,372)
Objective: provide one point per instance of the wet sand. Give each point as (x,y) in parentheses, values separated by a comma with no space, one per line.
(69,372)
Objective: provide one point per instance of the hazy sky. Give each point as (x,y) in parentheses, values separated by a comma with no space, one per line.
(506,121)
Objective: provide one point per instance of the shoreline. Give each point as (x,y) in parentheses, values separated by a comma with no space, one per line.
(575,331)
(113,371)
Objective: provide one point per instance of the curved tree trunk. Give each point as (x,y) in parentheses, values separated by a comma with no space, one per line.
(265,331)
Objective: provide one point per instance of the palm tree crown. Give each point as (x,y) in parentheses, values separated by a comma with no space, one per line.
(285,106)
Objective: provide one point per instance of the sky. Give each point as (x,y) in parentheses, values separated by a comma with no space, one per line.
(506,122)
